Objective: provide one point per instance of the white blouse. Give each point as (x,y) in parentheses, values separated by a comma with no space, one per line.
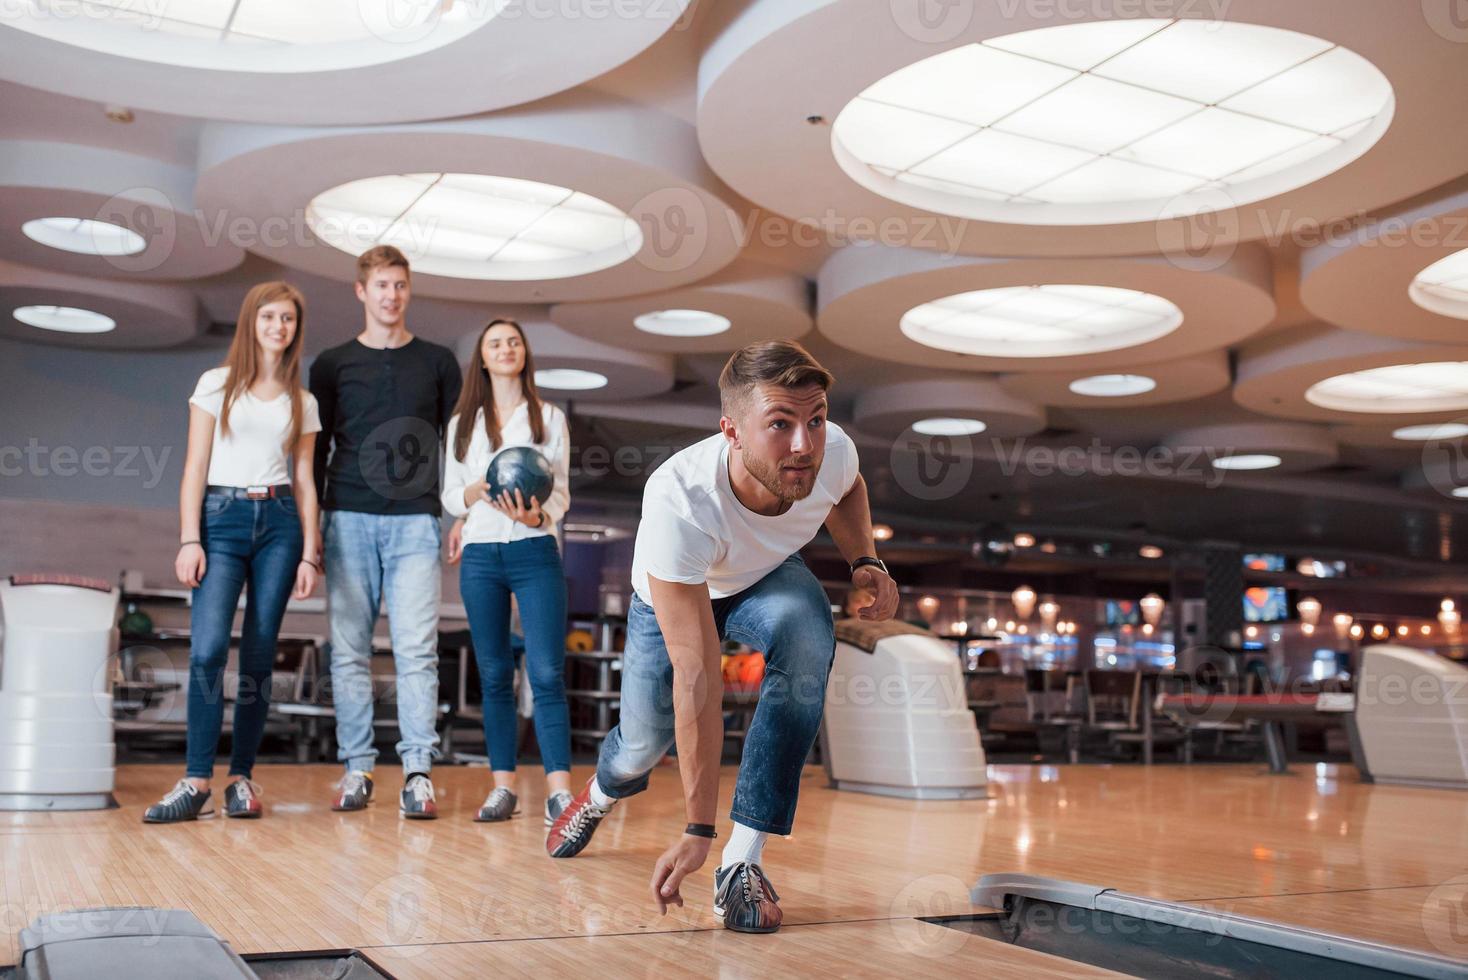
(253,454)
(486,525)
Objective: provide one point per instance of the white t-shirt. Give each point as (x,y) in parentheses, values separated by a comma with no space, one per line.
(486,525)
(253,454)
(694,529)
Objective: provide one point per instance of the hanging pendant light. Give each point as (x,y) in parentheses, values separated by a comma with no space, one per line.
(1152,605)
(1024,601)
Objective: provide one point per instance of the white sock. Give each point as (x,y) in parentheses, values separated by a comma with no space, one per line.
(745,844)
(597,796)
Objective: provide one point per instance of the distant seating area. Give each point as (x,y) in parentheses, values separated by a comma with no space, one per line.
(1112,714)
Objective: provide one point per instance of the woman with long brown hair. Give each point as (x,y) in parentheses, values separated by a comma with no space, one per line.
(248,520)
(509,547)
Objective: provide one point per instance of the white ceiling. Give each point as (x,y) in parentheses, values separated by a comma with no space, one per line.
(695,124)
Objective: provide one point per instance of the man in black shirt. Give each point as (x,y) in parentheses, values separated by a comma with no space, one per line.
(385,399)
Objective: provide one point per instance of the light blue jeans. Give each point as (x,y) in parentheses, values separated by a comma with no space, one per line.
(372,560)
(785,614)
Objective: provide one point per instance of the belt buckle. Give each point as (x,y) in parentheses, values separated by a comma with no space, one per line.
(257,493)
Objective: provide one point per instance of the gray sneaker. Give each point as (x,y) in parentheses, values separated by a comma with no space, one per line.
(242,800)
(498,805)
(356,791)
(418,802)
(183,802)
(745,899)
(555,804)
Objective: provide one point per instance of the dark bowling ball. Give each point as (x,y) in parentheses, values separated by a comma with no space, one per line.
(520,468)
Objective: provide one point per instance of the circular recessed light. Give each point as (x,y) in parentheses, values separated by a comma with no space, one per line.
(948,427)
(84,236)
(1149,551)
(882,532)
(1247,461)
(1041,321)
(1443,286)
(682,323)
(1440,386)
(1460,492)
(262,35)
(64,319)
(1423,433)
(1113,385)
(474,226)
(569,379)
(1113,121)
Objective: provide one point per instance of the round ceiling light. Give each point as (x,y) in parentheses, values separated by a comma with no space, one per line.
(948,427)
(474,226)
(64,319)
(1443,286)
(1113,121)
(569,379)
(1041,321)
(682,323)
(1113,385)
(277,36)
(1441,386)
(1425,433)
(85,236)
(1247,461)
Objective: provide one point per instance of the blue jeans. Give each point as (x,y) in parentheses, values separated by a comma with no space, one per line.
(787,616)
(254,542)
(531,569)
(372,559)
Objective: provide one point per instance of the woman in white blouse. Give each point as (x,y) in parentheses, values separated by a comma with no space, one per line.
(247,512)
(509,547)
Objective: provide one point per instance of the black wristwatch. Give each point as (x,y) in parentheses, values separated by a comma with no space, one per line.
(866,560)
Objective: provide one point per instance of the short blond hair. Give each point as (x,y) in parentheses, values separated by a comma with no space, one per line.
(781,363)
(377,257)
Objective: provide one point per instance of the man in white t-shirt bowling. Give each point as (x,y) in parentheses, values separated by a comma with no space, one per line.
(716,557)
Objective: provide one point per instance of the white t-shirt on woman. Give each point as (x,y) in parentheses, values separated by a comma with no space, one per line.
(253,454)
(694,530)
(485,525)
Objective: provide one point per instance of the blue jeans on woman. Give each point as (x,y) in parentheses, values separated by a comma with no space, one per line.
(531,569)
(787,616)
(254,543)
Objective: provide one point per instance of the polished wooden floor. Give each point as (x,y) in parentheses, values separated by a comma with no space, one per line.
(453,898)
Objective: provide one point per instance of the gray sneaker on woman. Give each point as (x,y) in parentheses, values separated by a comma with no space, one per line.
(242,800)
(498,805)
(183,802)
